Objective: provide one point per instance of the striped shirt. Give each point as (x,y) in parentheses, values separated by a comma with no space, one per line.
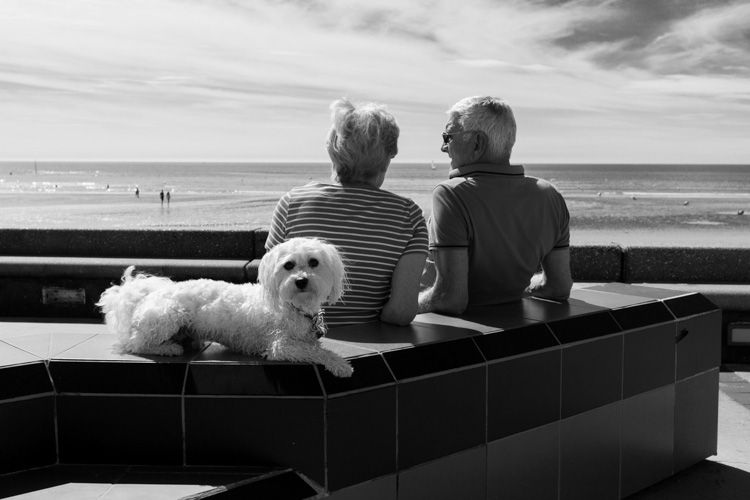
(372,229)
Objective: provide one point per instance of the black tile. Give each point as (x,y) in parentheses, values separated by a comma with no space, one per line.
(585,327)
(696,419)
(287,485)
(361,437)
(591,375)
(272,432)
(689,305)
(647,439)
(590,455)
(698,344)
(242,379)
(546,310)
(525,466)
(505,316)
(117,377)
(24,380)
(120,430)
(433,358)
(638,316)
(382,488)
(649,360)
(27,434)
(378,336)
(369,371)
(515,342)
(441,415)
(460,476)
(523,393)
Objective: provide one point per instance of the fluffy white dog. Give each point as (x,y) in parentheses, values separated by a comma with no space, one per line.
(280,318)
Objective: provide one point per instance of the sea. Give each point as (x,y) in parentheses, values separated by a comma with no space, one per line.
(232,177)
(243,194)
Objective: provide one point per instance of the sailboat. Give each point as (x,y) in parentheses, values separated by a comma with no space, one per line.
(432,165)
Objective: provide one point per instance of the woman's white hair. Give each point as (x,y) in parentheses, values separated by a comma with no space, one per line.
(494,117)
(362,140)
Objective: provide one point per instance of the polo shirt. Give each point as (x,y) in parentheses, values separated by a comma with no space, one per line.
(506,220)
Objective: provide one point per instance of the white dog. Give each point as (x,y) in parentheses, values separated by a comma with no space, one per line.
(280,318)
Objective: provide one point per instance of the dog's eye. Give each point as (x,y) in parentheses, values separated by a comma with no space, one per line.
(313,262)
(289,266)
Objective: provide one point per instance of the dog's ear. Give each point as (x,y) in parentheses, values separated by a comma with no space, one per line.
(266,276)
(338,272)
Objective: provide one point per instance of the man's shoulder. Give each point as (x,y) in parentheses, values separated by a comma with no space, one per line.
(545,186)
(451,183)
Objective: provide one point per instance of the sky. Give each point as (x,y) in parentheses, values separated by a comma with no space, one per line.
(590,81)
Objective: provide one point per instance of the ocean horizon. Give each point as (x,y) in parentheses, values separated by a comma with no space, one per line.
(204,177)
(612,199)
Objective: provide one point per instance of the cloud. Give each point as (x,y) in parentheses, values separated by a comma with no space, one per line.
(494,63)
(662,36)
(219,70)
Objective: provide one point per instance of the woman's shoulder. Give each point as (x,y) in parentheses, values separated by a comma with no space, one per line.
(312,187)
(396,197)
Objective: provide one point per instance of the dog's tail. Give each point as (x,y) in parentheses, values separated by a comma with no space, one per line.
(119,301)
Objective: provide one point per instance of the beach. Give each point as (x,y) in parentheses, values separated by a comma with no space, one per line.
(607,204)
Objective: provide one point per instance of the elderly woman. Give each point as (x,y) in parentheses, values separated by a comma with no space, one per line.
(382,235)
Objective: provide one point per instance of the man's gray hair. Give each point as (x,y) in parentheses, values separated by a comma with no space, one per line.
(492,116)
(362,140)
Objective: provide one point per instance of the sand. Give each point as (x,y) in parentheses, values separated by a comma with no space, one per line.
(705,222)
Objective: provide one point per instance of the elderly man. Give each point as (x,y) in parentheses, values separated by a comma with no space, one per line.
(496,235)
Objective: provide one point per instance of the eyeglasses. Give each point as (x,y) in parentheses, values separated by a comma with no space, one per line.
(448,136)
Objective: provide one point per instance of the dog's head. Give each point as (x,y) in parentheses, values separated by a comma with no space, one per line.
(304,272)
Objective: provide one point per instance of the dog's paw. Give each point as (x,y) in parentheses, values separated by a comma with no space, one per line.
(342,370)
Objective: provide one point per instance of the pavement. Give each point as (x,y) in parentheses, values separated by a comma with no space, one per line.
(727,474)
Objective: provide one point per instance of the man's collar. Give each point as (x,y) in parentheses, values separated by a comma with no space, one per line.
(486,168)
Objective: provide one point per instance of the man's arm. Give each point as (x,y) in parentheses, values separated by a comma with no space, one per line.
(555,280)
(450,293)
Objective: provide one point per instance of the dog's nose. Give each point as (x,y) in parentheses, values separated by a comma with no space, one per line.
(301,283)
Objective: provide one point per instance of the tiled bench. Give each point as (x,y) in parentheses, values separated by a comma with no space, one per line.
(597,397)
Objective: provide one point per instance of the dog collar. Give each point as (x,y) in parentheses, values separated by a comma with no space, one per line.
(317,324)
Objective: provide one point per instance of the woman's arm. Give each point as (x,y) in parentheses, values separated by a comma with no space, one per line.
(402,306)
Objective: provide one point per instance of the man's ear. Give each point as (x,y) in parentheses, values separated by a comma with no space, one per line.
(480,143)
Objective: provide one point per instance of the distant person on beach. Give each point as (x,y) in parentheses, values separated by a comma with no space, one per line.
(496,235)
(382,235)
(169,197)
(137,193)
(161,196)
